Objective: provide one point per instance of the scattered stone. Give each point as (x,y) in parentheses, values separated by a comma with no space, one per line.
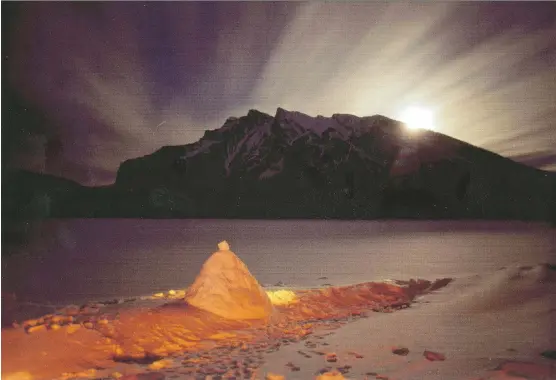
(344,369)
(357,356)
(323,370)
(304,354)
(331,357)
(402,351)
(88,325)
(54,327)
(549,354)
(371,374)
(381,377)
(434,356)
(322,278)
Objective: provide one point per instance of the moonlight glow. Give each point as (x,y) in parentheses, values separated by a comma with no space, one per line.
(418,118)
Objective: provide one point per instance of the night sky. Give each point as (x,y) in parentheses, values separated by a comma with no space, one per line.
(86,86)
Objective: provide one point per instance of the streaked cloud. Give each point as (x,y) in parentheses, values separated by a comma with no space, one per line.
(119,80)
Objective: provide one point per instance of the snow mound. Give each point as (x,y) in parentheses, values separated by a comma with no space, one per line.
(225,287)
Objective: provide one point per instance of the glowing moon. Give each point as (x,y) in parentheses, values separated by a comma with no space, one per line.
(418,118)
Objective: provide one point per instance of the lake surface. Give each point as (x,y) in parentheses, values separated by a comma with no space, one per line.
(78,260)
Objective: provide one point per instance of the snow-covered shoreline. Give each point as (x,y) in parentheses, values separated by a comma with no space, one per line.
(226,326)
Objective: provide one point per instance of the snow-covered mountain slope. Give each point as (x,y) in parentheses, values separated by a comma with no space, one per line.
(251,143)
(360,165)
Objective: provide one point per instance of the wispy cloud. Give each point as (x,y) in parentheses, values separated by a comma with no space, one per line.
(119,80)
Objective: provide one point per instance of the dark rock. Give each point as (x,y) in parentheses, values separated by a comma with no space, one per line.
(438,284)
(343,370)
(110,302)
(402,351)
(323,370)
(549,354)
(357,356)
(303,353)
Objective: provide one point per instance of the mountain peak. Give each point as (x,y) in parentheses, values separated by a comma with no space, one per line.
(282,113)
(257,113)
(257,117)
(304,122)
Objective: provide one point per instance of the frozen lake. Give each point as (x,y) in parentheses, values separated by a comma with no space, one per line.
(76,260)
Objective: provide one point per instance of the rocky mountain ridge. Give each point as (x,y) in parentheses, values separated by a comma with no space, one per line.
(292,165)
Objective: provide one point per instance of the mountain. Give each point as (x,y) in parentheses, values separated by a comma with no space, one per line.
(292,165)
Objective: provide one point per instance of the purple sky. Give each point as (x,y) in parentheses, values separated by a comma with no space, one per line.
(88,85)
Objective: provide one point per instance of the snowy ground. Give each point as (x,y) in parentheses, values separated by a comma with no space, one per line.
(492,322)
(478,323)
(487,326)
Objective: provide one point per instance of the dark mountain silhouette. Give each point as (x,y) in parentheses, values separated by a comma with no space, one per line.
(295,166)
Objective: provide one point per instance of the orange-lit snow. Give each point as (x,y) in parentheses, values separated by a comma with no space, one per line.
(282,297)
(155,335)
(225,287)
